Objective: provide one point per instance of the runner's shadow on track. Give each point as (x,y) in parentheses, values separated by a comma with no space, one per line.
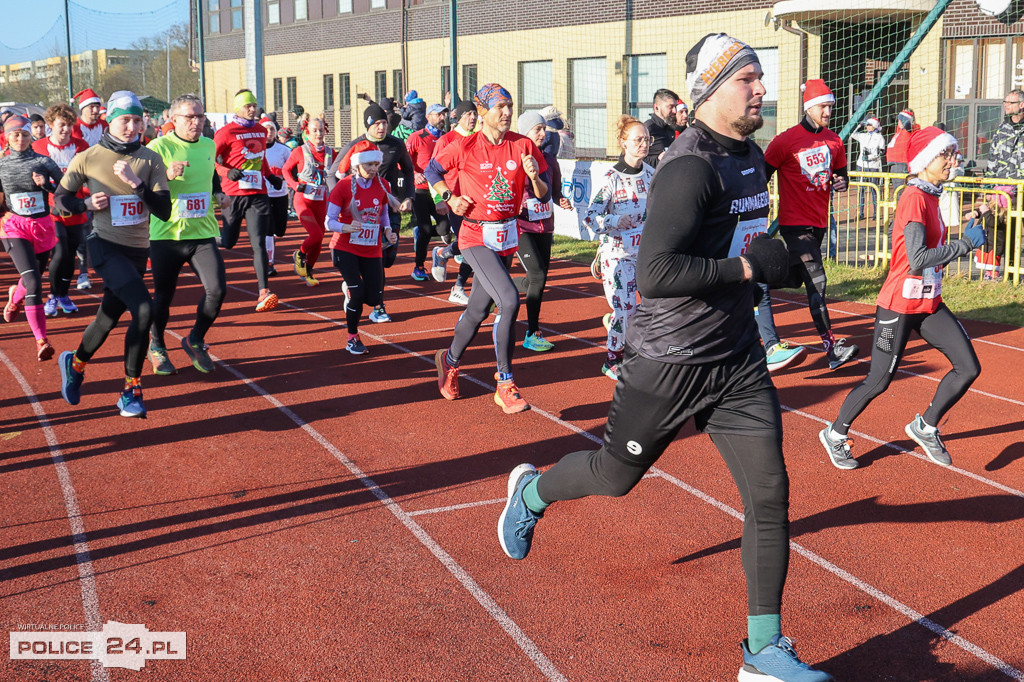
(987,509)
(915,650)
(1009,455)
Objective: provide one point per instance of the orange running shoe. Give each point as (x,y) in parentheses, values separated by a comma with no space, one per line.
(266,301)
(447,376)
(508,399)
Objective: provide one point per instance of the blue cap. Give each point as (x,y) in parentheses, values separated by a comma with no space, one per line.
(436,109)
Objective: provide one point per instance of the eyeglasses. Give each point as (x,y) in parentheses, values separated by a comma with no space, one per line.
(1011,101)
(192,117)
(639,141)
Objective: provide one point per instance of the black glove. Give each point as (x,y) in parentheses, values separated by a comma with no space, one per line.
(234,174)
(300,189)
(769,259)
(275,180)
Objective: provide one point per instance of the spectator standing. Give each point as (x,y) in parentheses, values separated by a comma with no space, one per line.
(661,125)
(872,150)
(1006,155)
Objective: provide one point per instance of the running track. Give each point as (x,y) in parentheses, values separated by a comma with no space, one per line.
(304,514)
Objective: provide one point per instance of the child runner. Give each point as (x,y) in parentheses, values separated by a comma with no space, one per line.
(61,146)
(911,300)
(26,180)
(126,183)
(306,174)
(277,154)
(357,215)
(617,213)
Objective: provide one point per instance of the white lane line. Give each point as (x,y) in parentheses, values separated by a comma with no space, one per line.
(872,317)
(83,557)
(506,623)
(961,642)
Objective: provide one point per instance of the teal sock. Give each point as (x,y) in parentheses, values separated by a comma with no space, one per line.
(761,629)
(532,499)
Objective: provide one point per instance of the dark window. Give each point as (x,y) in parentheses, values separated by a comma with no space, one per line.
(292,88)
(446,79)
(278,94)
(380,85)
(328,91)
(468,81)
(344,95)
(398,81)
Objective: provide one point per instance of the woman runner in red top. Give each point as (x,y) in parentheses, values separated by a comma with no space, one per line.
(305,171)
(911,300)
(357,215)
(493,166)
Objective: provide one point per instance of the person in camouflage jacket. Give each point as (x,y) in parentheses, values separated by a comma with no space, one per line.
(1006,155)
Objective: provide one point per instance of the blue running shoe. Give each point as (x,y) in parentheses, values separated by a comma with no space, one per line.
(378,315)
(66,306)
(130,403)
(70,380)
(516,523)
(419,274)
(537,342)
(50,307)
(777,662)
(781,355)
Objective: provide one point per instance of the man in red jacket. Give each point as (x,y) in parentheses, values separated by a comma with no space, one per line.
(241,163)
(89,125)
(431,218)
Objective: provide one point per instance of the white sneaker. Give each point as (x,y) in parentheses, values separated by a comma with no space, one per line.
(458,296)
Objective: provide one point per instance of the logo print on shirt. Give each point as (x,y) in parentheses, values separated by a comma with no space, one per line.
(634,448)
(816,165)
(499,190)
(510,164)
(486,165)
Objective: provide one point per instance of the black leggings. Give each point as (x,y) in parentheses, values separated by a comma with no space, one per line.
(62,267)
(364,278)
(892,331)
(492,284)
(804,244)
(426,215)
(122,269)
(30,265)
(168,258)
(535,255)
(278,216)
(255,210)
(734,402)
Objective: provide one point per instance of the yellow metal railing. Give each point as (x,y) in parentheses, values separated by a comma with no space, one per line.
(864,241)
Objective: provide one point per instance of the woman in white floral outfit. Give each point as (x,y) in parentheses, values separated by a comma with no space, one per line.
(616,215)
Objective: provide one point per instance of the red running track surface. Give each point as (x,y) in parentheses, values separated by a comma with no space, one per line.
(305,514)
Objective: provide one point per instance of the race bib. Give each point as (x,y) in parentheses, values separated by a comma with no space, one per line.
(928,285)
(368,235)
(251,179)
(816,165)
(126,209)
(746,230)
(315,192)
(193,205)
(501,236)
(27,203)
(631,239)
(537,209)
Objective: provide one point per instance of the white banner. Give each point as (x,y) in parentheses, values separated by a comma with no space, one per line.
(578,187)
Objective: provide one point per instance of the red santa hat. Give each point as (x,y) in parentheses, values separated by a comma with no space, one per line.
(816,92)
(87,97)
(361,152)
(268,122)
(925,145)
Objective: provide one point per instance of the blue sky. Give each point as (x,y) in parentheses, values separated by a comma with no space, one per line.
(96,24)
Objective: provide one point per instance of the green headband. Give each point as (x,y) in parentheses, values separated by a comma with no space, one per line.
(243,98)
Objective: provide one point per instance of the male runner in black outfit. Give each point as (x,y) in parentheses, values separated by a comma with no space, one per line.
(397,165)
(693,349)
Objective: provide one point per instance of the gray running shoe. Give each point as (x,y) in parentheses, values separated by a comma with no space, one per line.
(840,354)
(838,450)
(931,443)
(201,360)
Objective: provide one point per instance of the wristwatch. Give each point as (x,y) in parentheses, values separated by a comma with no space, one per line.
(446,195)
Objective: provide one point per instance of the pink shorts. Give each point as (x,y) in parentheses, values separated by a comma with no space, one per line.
(40,232)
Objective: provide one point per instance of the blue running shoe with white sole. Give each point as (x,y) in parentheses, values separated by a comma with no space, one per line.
(781,355)
(537,342)
(50,307)
(777,662)
(517,521)
(130,403)
(66,305)
(70,379)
